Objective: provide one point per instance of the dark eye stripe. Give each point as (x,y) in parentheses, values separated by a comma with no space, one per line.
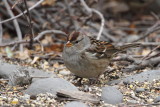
(73,36)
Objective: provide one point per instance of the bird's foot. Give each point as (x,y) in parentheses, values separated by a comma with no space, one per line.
(78,80)
(94,81)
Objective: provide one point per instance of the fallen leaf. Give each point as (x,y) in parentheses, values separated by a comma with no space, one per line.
(49,2)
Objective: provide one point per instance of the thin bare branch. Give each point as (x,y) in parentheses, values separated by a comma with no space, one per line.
(30,24)
(150,30)
(150,43)
(146,63)
(14,43)
(49,31)
(1,32)
(36,38)
(147,56)
(90,10)
(16,25)
(38,3)
(76,25)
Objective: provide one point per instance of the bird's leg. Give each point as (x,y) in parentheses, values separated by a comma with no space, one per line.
(76,77)
(94,81)
(79,82)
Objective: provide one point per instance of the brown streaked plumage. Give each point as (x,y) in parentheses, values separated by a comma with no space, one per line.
(88,57)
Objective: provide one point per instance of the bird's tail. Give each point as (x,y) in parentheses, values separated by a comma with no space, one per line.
(129,45)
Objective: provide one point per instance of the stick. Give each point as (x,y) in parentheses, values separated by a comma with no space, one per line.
(16,25)
(1,32)
(36,38)
(76,25)
(150,30)
(90,10)
(30,25)
(144,64)
(39,2)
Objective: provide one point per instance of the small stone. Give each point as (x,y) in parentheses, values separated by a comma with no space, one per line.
(140,90)
(33,97)
(111,95)
(75,104)
(157,99)
(49,85)
(148,76)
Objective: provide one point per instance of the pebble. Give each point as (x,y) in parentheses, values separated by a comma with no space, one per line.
(75,104)
(148,76)
(157,99)
(140,90)
(49,85)
(111,95)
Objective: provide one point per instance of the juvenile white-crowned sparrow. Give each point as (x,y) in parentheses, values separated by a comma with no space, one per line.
(87,57)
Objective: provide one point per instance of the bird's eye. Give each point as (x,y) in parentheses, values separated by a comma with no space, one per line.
(76,41)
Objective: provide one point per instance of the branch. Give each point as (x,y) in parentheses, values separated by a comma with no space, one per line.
(39,2)
(144,64)
(13,43)
(125,58)
(90,10)
(150,43)
(1,32)
(40,35)
(147,56)
(150,30)
(30,24)
(76,25)
(16,25)
(35,39)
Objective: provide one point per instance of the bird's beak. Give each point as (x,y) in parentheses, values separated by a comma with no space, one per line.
(69,44)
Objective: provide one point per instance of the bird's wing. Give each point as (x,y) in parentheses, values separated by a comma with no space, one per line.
(101,49)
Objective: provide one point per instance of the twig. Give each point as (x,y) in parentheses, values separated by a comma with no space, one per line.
(105,32)
(16,25)
(76,25)
(146,63)
(150,30)
(1,32)
(30,25)
(39,2)
(15,3)
(145,57)
(150,43)
(13,43)
(153,56)
(49,31)
(90,10)
(125,58)
(155,16)
(36,38)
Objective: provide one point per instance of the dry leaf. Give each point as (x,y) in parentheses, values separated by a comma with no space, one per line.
(54,47)
(48,2)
